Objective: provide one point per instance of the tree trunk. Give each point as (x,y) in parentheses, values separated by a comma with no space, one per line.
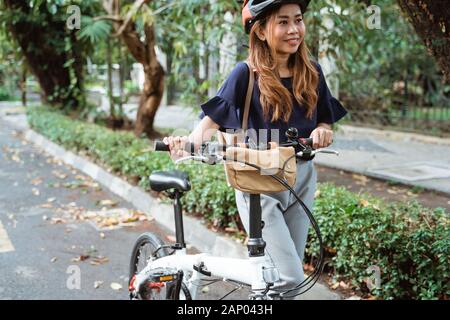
(144,53)
(153,91)
(431,21)
(149,103)
(110,83)
(23,85)
(121,81)
(171,86)
(37,42)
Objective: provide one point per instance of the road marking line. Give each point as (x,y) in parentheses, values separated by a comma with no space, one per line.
(5,243)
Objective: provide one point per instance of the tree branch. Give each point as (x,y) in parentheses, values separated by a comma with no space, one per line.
(108,17)
(136,6)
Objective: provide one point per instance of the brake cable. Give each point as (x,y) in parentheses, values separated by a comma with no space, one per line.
(319,265)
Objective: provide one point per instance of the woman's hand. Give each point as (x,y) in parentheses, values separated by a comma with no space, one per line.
(177,146)
(322,136)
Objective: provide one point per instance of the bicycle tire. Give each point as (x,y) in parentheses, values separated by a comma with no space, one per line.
(154,242)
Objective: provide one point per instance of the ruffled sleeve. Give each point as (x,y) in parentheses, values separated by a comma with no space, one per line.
(329,109)
(225,108)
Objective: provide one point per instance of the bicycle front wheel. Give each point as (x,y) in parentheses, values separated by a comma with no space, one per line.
(144,249)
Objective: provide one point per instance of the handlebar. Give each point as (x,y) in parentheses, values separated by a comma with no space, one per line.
(209,151)
(190,147)
(161,146)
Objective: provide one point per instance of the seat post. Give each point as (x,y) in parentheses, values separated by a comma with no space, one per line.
(256,244)
(179,228)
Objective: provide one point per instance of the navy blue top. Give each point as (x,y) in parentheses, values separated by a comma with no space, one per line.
(227,107)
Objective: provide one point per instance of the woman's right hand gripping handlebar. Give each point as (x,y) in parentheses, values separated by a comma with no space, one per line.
(177,146)
(202,132)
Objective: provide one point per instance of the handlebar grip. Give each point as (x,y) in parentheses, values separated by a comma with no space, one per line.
(306,141)
(161,146)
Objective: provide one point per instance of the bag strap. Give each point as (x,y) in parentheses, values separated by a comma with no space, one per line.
(248,99)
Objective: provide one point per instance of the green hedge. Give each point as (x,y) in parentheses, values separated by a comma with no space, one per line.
(408,243)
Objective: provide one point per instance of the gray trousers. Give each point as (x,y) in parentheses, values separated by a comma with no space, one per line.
(285,234)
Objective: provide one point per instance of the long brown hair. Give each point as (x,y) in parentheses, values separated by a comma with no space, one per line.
(273,94)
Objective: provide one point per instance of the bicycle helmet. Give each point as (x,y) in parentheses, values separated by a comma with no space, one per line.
(254,10)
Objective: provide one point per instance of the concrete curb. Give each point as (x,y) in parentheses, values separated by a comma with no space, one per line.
(195,232)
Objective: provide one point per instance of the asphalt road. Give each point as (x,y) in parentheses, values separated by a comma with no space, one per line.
(63,236)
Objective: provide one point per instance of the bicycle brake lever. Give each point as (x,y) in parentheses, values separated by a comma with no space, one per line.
(329,151)
(196,158)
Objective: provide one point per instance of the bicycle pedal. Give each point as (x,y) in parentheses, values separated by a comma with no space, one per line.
(161,275)
(154,283)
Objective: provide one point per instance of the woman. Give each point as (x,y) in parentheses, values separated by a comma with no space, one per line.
(289,91)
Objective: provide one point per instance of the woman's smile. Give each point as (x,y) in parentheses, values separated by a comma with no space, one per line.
(293,41)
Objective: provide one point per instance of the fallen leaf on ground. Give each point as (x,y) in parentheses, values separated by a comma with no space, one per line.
(335,286)
(360,179)
(36,181)
(97,284)
(99,260)
(54,259)
(51,200)
(129,219)
(16,158)
(80,258)
(146,218)
(116,286)
(102,235)
(46,205)
(35,191)
(110,222)
(108,202)
(343,285)
(205,290)
(57,221)
(59,174)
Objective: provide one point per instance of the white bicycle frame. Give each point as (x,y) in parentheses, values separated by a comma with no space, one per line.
(255,272)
